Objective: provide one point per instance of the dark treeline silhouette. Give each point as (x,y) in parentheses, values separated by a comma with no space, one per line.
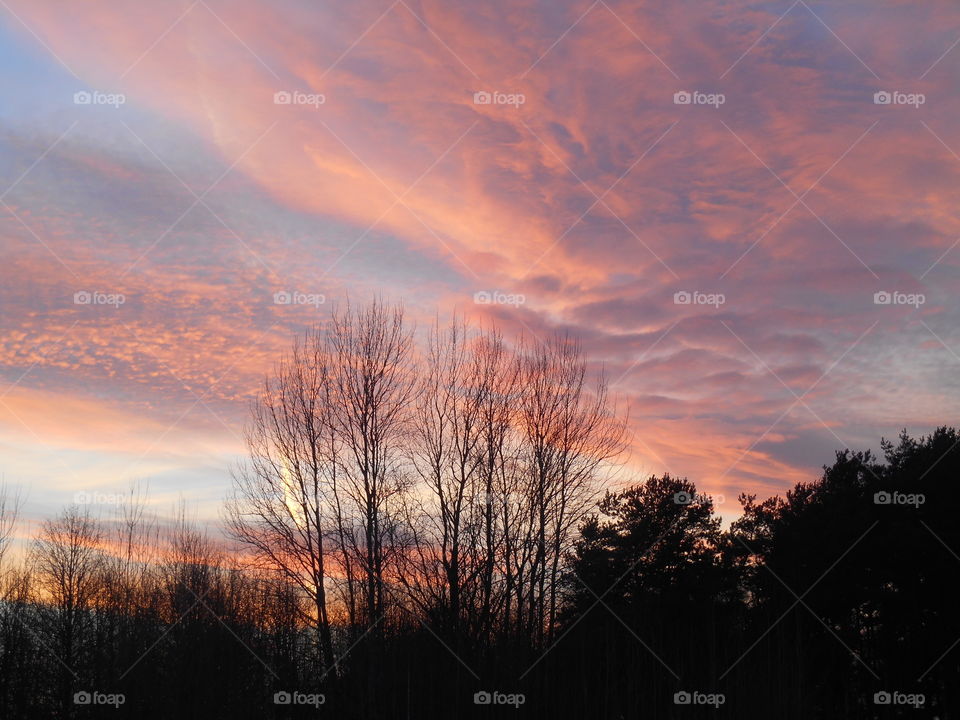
(424,532)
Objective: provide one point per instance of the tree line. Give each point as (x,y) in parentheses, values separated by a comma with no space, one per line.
(429,529)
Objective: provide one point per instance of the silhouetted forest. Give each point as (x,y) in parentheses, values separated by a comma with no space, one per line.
(437,530)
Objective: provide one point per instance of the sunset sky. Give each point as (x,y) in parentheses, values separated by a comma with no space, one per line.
(783,197)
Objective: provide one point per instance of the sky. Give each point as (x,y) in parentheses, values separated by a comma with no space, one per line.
(746,211)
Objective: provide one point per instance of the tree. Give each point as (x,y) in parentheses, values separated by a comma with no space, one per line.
(567,433)
(68,559)
(657,539)
(10,505)
(285,505)
(372,382)
(318,499)
(868,546)
(458,452)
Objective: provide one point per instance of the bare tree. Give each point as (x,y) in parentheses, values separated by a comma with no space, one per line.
(68,561)
(283,508)
(317,499)
(127,603)
(372,383)
(506,446)
(496,370)
(446,452)
(458,476)
(15,643)
(568,432)
(10,505)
